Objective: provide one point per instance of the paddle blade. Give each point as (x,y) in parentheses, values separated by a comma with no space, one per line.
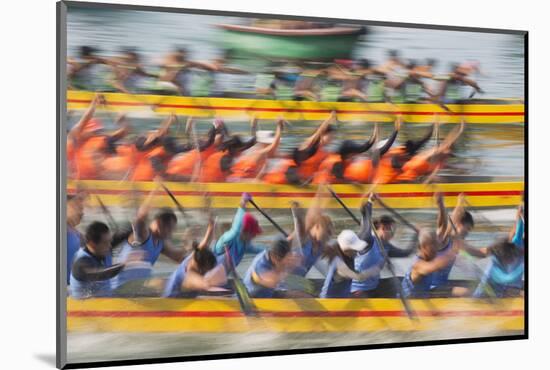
(300,283)
(247,306)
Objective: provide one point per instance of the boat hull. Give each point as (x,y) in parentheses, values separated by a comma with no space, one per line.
(290,44)
(228,195)
(495,112)
(223,315)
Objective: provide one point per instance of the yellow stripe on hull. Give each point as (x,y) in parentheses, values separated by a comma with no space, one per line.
(227,195)
(310,315)
(296,110)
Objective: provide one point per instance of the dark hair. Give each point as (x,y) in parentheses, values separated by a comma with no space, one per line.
(279,249)
(431,62)
(95,231)
(166,216)
(504,250)
(365,63)
(467,219)
(204,258)
(411,63)
(393,53)
(330,128)
(87,51)
(71,197)
(383,220)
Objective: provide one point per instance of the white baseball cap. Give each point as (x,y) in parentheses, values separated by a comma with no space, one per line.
(265,136)
(348,240)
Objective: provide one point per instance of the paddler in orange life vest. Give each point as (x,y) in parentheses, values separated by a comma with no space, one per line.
(429,161)
(332,168)
(304,161)
(151,158)
(217,167)
(390,165)
(87,143)
(189,157)
(361,169)
(251,165)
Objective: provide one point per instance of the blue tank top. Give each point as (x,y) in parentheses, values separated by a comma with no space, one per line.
(421,289)
(310,255)
(86,289)
(260,264)
(74,242)
(500,277)
(152,253)
(364,261)
(173,285)
(335,286)
(441,278)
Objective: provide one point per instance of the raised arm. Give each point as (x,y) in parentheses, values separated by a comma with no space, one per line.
(236,226)
(270,150)
(442,219)
(77,130)
(141,231)
(365,233)
(318,133)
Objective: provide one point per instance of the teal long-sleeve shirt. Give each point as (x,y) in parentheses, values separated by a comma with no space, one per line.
(232,239)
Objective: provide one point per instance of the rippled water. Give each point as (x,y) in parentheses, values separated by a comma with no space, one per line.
(496,150)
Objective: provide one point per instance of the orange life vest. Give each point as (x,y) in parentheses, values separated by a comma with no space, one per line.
(385,172)
(325,172)
(119,163)
(144,170)
(360,170)
(307,168)
(247,166)
(88,158)
(277,175)
(417,166)
(211,170)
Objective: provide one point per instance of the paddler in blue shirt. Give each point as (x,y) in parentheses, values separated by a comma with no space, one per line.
(371,256)
(503,276)
(341,270)
(92,268)
(269,269)
(148,241)
(450,229)
(75,212)
(198,272)
(238,239)
(429,261)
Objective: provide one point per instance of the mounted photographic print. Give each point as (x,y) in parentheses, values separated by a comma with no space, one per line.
(235,184)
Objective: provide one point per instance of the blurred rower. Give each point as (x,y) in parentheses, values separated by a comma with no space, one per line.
(503,276)
(251,165)
(92,268)
(238,239)
(268,269)
(413,82)
(451,229)
(217,167)
(372,256)
(459,76)
(82,72)
(431,160)
(391,164)
(189,158)
(128,71)
(176,70)
(429,260)
(75,212)
(198,272)
(341,270)
(311,234)
(88,145)
(305,160)
(147,241)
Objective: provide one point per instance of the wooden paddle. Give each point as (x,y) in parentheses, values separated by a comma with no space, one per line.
(247,306)
(337,198)
(269,218)
(107,214)
(396,282)
(397,215)
(177,203)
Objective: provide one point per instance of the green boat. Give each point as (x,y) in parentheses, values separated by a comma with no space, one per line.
(326,43)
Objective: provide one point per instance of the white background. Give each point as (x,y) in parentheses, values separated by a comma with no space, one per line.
(27,144)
